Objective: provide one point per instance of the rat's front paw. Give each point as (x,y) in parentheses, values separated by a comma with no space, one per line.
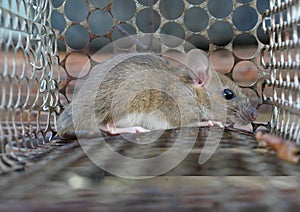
(112,130)
(210,124)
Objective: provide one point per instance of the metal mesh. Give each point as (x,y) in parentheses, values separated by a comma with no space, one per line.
(282,57)
(31,75)
(232,32)
(29,78)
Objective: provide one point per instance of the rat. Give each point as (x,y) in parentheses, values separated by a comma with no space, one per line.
(138,92)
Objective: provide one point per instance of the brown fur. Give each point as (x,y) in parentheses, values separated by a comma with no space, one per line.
(145,83)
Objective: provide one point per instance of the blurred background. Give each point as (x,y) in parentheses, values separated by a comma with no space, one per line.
(106,13)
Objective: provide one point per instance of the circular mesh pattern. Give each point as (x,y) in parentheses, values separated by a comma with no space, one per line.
(233,34)
(233,27)
(29,77)
(282,57)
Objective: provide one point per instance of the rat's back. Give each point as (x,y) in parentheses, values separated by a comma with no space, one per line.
(115,79)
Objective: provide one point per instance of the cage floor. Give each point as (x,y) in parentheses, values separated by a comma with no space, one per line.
(238,176)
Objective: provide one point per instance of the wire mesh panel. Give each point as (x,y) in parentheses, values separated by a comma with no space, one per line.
(282,57)
(32,78)
(29,78)
(249,42)
(231,31)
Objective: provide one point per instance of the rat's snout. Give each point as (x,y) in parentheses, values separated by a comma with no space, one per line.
(253,114)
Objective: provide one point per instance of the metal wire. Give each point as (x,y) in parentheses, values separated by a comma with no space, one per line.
(29,78)
(282,23)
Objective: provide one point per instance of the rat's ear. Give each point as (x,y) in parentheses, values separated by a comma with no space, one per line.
(198,63)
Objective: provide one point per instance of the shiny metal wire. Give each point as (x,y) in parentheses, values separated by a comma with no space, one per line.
(282,23)
(29,78)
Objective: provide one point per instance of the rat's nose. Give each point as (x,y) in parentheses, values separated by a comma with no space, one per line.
(253,114)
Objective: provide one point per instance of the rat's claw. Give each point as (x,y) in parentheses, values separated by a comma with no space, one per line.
(218,123)
(210,124)
(140,129)
(112,130)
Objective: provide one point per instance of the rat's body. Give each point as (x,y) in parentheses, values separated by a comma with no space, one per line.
(143,91)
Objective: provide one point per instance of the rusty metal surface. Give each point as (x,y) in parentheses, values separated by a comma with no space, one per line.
(238,176)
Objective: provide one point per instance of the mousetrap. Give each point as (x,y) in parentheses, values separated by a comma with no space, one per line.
(46,47)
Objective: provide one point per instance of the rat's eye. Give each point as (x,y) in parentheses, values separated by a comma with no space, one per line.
(228,94)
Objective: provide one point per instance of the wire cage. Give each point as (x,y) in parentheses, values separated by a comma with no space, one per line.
(255,43)
(29,80)
(281,57)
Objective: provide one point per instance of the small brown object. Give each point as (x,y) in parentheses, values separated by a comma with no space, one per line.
(285,150)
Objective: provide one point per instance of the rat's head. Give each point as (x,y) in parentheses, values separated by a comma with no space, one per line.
(223,93)
(237,105)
